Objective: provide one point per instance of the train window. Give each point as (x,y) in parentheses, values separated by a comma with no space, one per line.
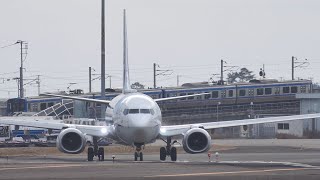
(303,89)
(260,91)
(35,107)
(294,89)
(242,92)
(286,90)
(43,106)
(230,93)
(50,104)
(268,91)
(251,91)
(277,90)
(207,96)
(215,94)
(192,97)
(223,93)
(182,94)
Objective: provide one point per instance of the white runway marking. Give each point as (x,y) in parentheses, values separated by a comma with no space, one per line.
(230,172)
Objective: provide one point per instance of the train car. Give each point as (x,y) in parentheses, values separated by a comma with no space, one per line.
(256,90)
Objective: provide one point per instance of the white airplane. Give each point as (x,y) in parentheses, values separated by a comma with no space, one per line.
(137,122)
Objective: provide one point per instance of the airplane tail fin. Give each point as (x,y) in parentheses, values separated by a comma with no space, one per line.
(126,80)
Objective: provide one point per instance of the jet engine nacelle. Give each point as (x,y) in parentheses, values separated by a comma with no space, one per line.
(71,141)
(196,140)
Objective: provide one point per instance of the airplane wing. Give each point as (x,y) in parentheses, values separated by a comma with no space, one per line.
(179,97)
(48,123)
(181,129)
(80,98)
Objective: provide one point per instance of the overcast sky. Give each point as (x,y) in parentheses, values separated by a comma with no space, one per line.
(186,36)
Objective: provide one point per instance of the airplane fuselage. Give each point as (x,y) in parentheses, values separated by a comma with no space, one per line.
(137,118)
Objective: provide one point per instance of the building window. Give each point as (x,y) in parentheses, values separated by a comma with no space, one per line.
(268,91)
(283,126)
(260,91)
(286,90)
(242,92)
(215,94)
(230,93)
(294,89)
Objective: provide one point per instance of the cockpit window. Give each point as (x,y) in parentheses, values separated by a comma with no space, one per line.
(133,111)
(126,111)
(144,111)
(137,111)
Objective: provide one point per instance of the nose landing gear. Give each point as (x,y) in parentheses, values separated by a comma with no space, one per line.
(138,153)
(168,151)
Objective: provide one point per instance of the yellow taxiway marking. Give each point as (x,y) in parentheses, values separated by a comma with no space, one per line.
(232,172)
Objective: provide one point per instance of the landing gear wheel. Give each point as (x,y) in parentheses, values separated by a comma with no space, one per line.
(90,154)
(163,153)
(173,154)
(136,156)
(141,156)
(101,154)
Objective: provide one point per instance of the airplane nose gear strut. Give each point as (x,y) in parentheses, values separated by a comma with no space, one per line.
(95,151)
(138,153)
(168,150)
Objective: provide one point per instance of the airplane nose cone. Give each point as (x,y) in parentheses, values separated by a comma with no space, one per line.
(144,128)
(141,121)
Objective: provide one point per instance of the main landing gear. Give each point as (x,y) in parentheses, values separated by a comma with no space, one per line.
(168,151)
(95,151)
(138,153)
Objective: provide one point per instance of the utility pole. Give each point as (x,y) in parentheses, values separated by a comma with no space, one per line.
(177,80)
(38,82)
(21,89)
(299,64)
(161,72)
(221,77)
(89,79)
(154,75)
(103,62)
(292,67)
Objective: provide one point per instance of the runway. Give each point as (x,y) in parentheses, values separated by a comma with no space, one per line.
(245,162)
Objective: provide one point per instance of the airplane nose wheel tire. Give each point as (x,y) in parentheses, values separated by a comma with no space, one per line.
(90,154)
(138,155)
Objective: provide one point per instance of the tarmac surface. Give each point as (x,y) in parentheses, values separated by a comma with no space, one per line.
(246,161)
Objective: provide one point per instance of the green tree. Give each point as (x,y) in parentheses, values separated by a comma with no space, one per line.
(137,85)
(243,75)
